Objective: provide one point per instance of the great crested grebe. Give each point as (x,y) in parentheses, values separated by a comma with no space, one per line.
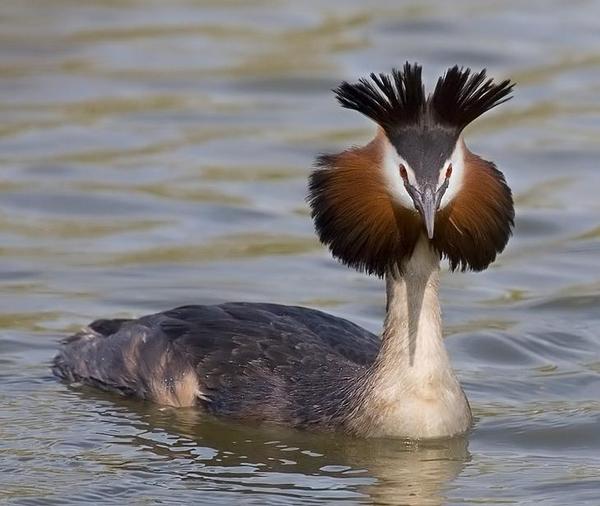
(375,207)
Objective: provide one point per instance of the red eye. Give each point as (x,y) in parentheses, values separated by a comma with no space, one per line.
(403,173)
(449,171)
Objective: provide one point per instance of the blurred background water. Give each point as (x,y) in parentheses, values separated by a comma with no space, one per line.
(155,153)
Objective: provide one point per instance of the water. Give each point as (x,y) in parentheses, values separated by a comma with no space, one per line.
(156,153)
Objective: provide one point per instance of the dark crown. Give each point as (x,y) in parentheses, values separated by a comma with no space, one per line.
(398,99)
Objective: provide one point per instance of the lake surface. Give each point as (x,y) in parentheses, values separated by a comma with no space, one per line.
(155,153)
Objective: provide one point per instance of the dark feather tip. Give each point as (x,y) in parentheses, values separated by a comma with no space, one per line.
(388,99)
(461,96)
(398,99)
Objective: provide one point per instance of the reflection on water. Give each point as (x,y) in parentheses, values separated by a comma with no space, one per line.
(156,153)
(388,472)
(183,451)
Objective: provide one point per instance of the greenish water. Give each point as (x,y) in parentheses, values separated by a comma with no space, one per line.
(156,153)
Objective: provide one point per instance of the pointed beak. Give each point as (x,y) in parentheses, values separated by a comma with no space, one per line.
(427,205)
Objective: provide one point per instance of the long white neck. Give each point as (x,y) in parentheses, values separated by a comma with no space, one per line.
(412,390)
(412,343)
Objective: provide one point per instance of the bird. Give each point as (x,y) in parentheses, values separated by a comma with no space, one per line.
(396,207)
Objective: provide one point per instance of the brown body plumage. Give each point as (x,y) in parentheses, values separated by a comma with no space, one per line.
(394,208)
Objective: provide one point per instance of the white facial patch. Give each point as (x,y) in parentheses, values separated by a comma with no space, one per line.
(395,184)
(391,171)
(455,181)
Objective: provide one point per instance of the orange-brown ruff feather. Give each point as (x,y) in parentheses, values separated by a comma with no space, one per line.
(365,229)
(355,214)
(476,225)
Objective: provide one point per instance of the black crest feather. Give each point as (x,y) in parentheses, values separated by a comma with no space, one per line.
(388,99)
(460,96)
(399,99)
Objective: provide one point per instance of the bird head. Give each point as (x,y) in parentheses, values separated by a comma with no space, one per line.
(417,177)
